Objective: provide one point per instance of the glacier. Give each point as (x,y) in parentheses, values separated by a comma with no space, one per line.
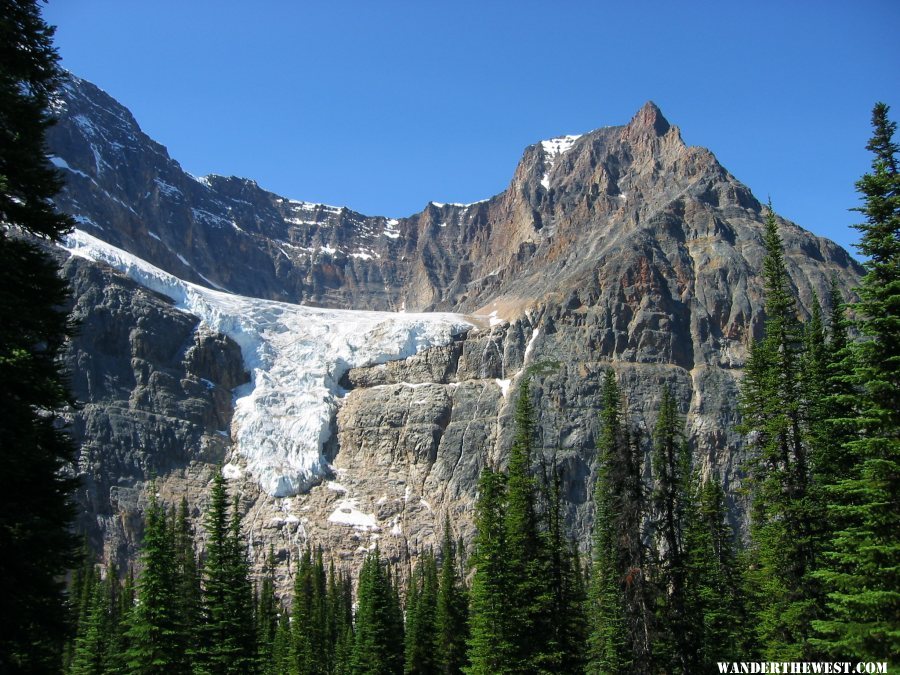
(296,356)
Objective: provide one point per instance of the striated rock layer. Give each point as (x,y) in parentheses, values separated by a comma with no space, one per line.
(620,248)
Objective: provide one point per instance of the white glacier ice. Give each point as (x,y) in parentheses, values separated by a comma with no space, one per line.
(296,356)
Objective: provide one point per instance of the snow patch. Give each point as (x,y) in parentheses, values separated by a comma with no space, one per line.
(495,320)
(530,346)
(167,189)
(60,163)
(296,356)
(348,513)
(231,471)
(390,229)
(553,148)
(84,220)
(210,218)
(460,205)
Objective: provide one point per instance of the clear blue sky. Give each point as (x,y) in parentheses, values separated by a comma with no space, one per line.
(382,106)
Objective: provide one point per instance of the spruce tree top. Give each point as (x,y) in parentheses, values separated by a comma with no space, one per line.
(29,74)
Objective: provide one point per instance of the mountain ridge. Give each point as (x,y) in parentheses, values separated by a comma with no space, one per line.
(300,230)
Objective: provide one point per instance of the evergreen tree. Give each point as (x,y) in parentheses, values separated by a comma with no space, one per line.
(80,596)
(490,647)
(834,458)
(187,575)
(282,648)
(529,593)
(421,650)
(678,648)
(268,611)
(783,508)
(609,646)
(35,510)
(226,634)
(715,584)
(451,610)
(153,633)
(119,602)
(340,620)
(118,658)
(395,618)
(309,613)
(861,575)
(566,621)
(90,647)
(378,645)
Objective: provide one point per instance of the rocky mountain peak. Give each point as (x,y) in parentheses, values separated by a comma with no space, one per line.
(650,118)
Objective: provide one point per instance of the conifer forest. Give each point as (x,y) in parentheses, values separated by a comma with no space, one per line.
(670,582)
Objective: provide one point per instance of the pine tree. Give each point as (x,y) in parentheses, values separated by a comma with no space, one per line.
(609,645)
(35,509)
(861,576)
(491,648)
(320,611)
(395,618)
(153,634)
(451,610)
(378,645)
(240,597)
(783,508)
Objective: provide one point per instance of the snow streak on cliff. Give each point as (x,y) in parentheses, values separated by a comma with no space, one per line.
(296,356)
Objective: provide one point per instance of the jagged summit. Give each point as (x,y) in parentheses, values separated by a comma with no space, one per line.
(650,117)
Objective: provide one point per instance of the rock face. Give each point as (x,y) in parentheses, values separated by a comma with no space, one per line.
(154,389)
(622,248)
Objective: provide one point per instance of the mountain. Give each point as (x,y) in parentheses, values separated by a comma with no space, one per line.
(620,248)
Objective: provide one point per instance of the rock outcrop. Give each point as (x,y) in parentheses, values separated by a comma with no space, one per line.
(154,393)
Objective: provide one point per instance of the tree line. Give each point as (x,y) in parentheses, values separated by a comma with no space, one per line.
(184,614)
